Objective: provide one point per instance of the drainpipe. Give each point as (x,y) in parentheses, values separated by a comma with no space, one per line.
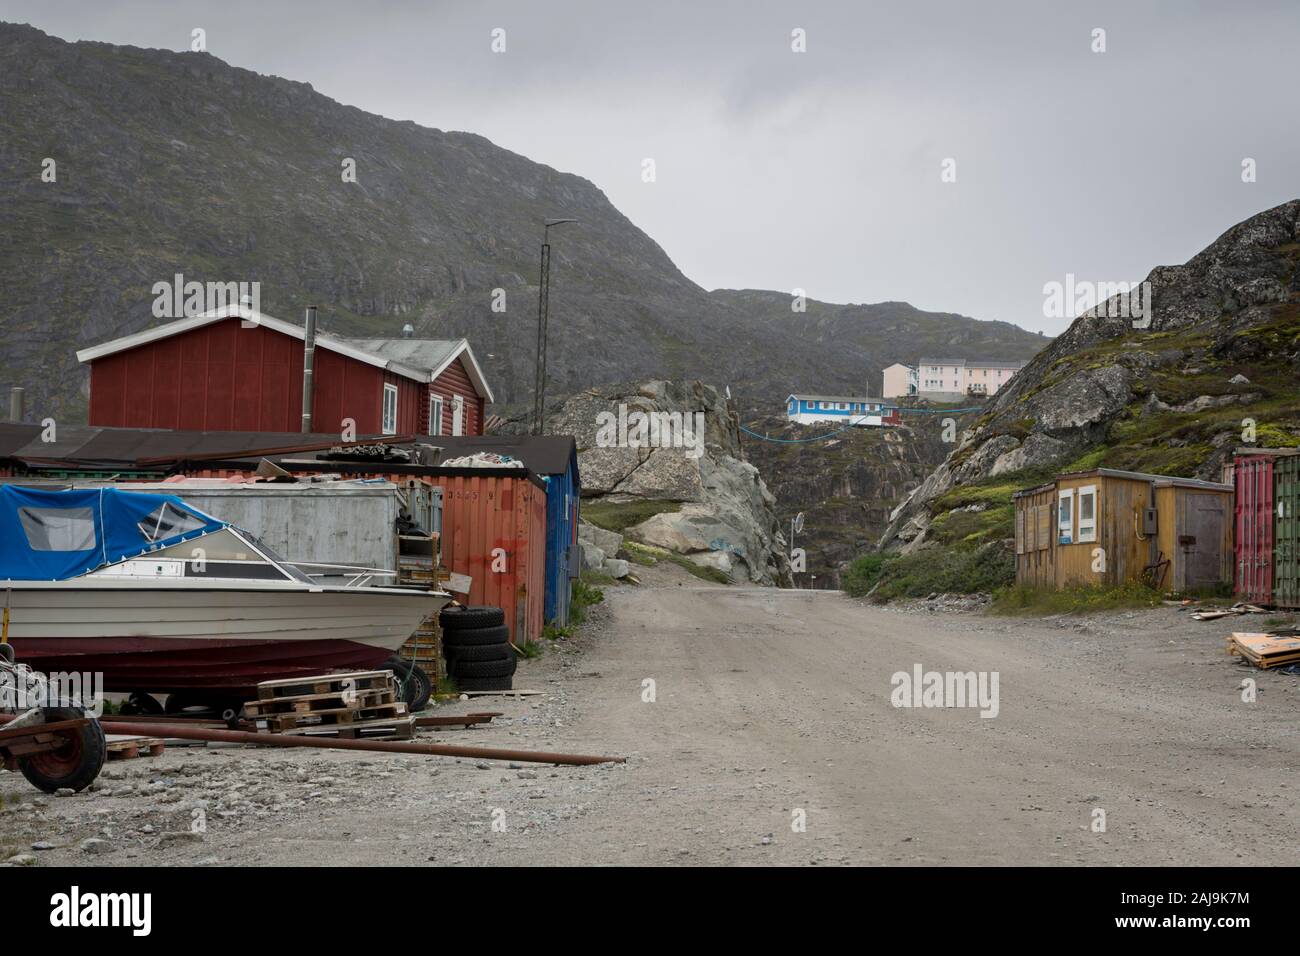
(308,365)
(16,403)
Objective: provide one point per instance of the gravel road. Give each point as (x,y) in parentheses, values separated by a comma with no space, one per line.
(771,739)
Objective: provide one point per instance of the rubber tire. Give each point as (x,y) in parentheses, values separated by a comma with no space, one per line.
(486,683)
(461,669)
(476,636)
(463,618)
(75,769)
(145,704)
(413,684)
(479,652)
(7,652)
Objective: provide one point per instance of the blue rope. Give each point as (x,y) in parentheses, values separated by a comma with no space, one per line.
(838,431)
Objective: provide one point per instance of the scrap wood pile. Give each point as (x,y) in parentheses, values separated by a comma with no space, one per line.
(1214,613)
(355,705)
(1266,650)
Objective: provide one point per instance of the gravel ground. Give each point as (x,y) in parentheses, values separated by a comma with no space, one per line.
(771,739)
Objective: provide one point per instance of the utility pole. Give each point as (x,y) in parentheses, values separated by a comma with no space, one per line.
(543,317)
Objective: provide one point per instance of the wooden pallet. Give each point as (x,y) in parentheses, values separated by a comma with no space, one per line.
(1265,650)
(402,728)
(325,684)
(312,703)
(283,723)
(126,747)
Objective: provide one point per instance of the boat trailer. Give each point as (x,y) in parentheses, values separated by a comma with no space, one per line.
(54,747)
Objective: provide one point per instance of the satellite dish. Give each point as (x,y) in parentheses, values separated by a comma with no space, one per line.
(798,523)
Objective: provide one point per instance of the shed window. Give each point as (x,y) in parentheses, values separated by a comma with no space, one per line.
(435,414)
(1065,517)
(1088,513)
(390,410)
(842,406)
(457,415)
(58,529)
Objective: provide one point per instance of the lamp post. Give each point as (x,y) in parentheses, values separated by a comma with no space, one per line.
(543,315)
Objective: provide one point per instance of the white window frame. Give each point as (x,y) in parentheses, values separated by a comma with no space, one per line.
(1065,527)
(841,406)
(1089,532)
(435,414)
(457,415)
(389,425)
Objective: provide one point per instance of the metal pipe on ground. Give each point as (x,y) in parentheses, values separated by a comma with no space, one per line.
(190,732)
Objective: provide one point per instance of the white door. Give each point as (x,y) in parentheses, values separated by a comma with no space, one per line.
(435,414)
(457,415)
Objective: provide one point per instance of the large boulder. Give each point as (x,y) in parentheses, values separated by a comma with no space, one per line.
(676,442)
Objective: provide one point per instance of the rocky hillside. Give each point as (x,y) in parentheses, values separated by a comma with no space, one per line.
(696,498)
(177,162)
(1222,351)
(845,485)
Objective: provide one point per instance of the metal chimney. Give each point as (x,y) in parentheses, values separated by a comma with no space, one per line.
(308,365)
(16,404)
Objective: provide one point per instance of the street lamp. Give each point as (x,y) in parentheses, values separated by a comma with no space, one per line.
(543,315)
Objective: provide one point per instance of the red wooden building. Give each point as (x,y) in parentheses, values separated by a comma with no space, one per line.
(237,370)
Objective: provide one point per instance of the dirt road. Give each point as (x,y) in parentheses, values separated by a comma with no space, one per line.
(769,707)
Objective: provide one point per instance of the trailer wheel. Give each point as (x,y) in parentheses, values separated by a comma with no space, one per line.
(144,704)
(76,763)
(413,684)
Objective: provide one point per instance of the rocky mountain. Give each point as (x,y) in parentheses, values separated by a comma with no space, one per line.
(846,485)
(662,463)
(1214,364)
(121,167)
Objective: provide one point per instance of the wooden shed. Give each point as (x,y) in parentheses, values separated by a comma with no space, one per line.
(1113,527)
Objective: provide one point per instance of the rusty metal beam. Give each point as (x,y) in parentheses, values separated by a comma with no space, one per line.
(190,732)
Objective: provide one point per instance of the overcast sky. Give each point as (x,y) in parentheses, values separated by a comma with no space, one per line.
(821,170)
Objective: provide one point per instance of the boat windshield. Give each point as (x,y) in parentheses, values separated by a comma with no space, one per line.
(284,564)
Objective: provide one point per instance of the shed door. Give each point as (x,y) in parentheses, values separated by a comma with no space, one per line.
(1200,539)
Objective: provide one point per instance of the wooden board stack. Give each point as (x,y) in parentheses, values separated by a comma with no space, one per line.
(1266,650)
(361,704)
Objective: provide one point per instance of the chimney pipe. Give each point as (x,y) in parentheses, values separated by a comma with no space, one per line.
(308,365)
(16,404)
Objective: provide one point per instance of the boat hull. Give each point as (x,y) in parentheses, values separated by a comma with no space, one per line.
(166,639)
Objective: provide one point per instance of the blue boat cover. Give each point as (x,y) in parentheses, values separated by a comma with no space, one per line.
(53,535)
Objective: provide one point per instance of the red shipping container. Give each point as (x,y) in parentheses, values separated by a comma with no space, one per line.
(1252,478)
(494,530)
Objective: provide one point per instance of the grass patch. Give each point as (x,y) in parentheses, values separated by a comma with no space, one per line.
(863,573)
(1018,599)
(981,570)
(699,570)
(646,555)
(533,649)
(621,515)
(584,595)
(447,688)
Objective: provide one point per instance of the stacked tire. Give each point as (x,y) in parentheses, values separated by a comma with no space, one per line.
(476,643)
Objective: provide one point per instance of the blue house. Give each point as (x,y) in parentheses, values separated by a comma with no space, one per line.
(842,410)
(554,459)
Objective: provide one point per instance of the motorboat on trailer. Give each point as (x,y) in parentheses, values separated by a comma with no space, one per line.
(155,595)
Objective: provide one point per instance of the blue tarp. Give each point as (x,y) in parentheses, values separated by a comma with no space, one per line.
(53,535)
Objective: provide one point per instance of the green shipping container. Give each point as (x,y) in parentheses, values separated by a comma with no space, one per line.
(1286,531)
